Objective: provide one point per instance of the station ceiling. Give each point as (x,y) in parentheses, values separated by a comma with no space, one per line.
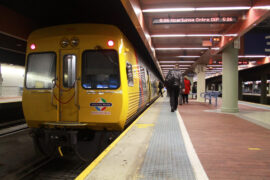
(143,27)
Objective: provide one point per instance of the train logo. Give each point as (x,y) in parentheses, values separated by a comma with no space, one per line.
(101,104)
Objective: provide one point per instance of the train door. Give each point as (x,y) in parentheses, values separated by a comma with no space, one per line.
(68,110)
(149,86)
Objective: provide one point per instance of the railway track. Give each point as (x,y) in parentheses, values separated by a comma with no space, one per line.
(13,129)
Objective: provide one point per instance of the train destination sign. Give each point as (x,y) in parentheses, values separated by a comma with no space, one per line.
(195,20)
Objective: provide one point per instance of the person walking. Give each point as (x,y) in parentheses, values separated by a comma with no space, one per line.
(160,86)
(174,83)
(187,89)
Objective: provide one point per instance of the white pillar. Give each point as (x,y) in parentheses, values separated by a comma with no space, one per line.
(230,80)
(200,70)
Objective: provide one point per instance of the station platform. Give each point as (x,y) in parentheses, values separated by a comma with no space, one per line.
(195,142)
(10,99)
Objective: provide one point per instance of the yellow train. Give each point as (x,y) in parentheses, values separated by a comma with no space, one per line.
(82,79)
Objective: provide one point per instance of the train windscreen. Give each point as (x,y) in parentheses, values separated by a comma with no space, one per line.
(100,69)
(41,70)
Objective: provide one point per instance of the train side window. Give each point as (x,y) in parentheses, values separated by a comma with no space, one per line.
(41,70)
(100,69)
(69,70)
(142,71)
(129,74)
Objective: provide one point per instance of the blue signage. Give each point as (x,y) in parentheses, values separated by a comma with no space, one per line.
(257,44)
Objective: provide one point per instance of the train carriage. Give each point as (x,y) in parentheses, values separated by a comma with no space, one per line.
(83,77)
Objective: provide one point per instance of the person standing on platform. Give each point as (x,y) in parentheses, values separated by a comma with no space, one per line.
(174,83)
(187,89)
(160,86)
(194,90)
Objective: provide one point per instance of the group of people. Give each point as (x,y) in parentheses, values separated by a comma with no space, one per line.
(178,87)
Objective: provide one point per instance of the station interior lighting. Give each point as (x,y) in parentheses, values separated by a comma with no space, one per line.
(188,56)
(184,65)
(177,62)
(191,35)
(252,56)
(198,9)
(185,48)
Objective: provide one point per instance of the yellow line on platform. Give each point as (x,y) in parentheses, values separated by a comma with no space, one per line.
(108,149)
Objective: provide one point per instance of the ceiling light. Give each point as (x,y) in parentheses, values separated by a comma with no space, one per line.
(214,65)
(200,9)
(261,7)
(189,56)
(223,8)
(179,62)
(190,35)
(252,56)
(167,65)
(195,48)
(168,10)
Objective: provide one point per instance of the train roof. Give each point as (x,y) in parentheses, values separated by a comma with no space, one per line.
(76,29)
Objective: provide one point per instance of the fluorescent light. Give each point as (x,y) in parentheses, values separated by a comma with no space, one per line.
(230,34)
(252,56)
(195,48)
(215,48)
(191,35)
(199,9)
(215,65)
(178,62)
(168,10)
(171,65)
(168,35)
(261,7)
(223,8)
(188,56)
(164,68)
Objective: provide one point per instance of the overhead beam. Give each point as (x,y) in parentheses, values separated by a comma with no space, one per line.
(134,11)
(253,17)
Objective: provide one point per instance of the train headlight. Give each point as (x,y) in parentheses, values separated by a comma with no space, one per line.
(74,42)
(64,43)
(110,43)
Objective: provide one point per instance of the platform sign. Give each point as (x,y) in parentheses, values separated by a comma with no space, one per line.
(195,20)
(257,43)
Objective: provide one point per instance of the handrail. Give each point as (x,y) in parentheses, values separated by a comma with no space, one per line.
(52,94)
(76,93)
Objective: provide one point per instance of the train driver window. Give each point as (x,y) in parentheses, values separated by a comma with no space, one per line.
(129,74)
(100,69)
(41,70)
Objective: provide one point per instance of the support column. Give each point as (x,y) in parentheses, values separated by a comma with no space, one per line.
(230,80)
(263,98)
(200,70)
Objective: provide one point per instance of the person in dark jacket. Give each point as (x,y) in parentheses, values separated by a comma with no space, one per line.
(160,86)
(174,83)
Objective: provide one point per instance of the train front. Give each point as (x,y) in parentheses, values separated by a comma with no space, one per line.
(72,83)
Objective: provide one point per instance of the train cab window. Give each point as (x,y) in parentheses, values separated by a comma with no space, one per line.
(100,69)
(40,72)
(69,70)
(129,74)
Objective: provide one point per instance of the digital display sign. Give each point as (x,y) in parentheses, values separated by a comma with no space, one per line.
(195,20)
